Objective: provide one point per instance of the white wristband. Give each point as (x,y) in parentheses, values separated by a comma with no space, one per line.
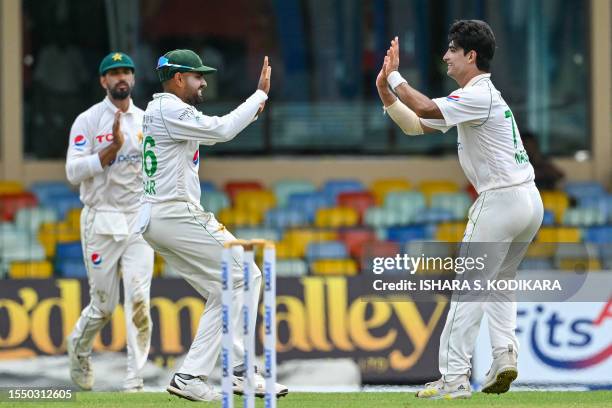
(395,79)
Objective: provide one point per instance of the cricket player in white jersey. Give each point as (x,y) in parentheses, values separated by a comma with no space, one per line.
(104,157)
(508,209)
(172,220)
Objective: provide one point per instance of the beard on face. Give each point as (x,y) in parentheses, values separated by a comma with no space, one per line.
(120,94)
(196,98)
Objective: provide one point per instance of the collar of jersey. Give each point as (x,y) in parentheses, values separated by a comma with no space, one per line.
(476,78)
(113,108)
(161,94)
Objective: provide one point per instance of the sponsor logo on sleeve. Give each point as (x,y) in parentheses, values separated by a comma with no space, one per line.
(79,142)
(186,114)
(454,98)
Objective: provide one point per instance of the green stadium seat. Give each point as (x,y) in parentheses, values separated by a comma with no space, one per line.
(214,201)
(408,202)
(382,217)
(457,203)
(584,217)
(270,234)
(291,267)
(31,218)
(21,252)
(284,188)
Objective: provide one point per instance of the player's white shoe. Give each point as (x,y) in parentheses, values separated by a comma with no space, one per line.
(80,367)
(458,389)
(502,372)
(192,388)
(260,385)
(133,385)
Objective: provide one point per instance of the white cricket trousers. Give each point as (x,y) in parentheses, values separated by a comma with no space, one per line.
(502,216)
(107,260)
(191,241)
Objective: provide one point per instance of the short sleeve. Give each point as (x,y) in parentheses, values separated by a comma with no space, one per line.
(466,105)
(438,124)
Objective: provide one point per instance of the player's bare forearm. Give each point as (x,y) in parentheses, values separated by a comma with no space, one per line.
(386,96)
(424,107)
(108,154)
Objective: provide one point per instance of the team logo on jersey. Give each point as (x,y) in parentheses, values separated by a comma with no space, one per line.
(96,258)
(196,157)
(79,141)
(453,97)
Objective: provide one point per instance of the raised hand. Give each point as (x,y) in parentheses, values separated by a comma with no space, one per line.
(118,138)
(393,54)
(264,77)
(381,79)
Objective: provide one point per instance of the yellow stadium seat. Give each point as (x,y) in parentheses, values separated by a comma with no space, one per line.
(48,240)
(450,231)
(10,187)
(380,188)
(254,200)
(73,217)
(560,234)
(431,187)
(344,267)
(51,233)
(287,250)
(235,217)
(336,217)
(67,232)
(29,270)
(580,264)
(301,237)
(557,202)
(541,250)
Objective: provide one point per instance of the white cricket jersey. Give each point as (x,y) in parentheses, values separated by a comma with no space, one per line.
(489,144)
(173,131)
(117,187)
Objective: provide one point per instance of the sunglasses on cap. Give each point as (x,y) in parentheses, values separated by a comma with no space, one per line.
(163,62)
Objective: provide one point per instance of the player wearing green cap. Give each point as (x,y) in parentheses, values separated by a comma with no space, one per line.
(188,237)
(104,157)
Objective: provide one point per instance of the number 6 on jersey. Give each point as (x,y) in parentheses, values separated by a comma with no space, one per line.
(149,164)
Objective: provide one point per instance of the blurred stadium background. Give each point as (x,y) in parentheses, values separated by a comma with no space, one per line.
(322,172)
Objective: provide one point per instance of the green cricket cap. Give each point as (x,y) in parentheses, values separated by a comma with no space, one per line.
(116,60)
(180,61)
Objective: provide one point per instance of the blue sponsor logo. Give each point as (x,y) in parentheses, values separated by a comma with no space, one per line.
(224,276)
(246,269)
(267,276)
(268,320)
(127,159)
(225,319)
(551,331)
(267,363)
(245,320)
(225,362)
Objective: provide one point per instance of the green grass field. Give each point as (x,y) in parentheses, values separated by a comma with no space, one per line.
(592,399)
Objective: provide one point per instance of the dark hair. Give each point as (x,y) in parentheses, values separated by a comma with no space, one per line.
(474,35)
